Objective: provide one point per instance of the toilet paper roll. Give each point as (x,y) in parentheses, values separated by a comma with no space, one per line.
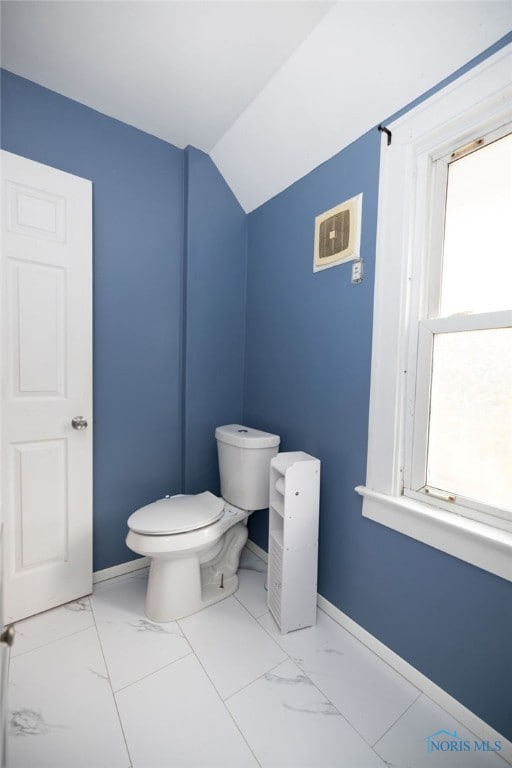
(280,485)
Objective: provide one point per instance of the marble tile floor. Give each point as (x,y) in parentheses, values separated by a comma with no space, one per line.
(95,684)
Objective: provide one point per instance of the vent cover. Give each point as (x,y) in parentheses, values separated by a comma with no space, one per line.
(338,234)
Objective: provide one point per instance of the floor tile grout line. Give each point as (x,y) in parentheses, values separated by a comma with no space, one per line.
(345,718)
(354,728)
(270,636)
(355,637)
(261,627)
(50,642)
(219,695)
(321,693)
(191,653)
(373,746)
(66,636)
(55,639)
(247,609)
(153,672)
(290,658)
(251,682)
(367,648)
(111,686)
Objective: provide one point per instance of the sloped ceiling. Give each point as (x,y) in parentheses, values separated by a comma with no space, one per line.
(182,71)
(269,89)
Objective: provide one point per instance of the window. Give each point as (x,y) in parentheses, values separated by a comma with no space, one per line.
(461,442)
(440,437)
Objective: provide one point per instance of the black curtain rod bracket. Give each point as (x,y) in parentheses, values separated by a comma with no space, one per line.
(385,130)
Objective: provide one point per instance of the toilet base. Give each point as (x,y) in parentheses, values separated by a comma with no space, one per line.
(182,586)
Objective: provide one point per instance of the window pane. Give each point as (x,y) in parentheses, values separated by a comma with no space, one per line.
(470,439)
(477,258)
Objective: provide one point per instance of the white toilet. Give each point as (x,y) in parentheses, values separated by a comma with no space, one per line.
(195,542)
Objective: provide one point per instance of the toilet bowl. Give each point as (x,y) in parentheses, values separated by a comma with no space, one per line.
(189,569)
(195,541)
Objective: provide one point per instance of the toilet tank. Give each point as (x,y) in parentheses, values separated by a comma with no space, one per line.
(244,465)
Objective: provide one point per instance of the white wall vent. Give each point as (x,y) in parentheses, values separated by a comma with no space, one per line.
(338,234)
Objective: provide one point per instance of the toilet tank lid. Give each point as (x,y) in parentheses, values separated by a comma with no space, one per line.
(246,437)
(177,514)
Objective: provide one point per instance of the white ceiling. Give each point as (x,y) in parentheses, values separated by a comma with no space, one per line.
(269,89)
(183,71)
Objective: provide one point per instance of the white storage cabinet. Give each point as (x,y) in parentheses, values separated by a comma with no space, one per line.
(293,539)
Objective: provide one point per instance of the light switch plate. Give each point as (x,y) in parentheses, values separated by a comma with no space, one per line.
(357,271)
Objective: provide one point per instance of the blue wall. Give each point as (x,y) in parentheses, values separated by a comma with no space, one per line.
(216,232)
(307,377)
(308,340)
(150,284)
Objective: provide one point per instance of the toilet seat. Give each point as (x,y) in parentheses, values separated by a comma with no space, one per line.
(177,514)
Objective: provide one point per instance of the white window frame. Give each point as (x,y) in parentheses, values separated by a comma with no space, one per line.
(476,103)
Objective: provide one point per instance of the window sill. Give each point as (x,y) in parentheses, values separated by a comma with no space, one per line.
(476,543)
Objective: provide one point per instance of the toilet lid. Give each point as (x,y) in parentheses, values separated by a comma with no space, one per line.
(177,514)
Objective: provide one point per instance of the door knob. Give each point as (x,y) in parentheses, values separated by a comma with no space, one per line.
(78,422)
(7,635)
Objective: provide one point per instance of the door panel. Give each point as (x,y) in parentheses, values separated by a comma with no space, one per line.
(37,329)
(39,490)
(46,381)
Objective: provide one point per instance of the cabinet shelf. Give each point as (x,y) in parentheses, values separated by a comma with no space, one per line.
(280,485)
(293,539)
(277,505)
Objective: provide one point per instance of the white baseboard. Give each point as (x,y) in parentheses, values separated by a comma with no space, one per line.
(257,550)
(472,722)
(120,570)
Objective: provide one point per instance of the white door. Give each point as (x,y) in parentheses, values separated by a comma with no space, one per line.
(46,361)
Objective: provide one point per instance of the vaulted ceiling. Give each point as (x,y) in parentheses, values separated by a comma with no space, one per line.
(269,89)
